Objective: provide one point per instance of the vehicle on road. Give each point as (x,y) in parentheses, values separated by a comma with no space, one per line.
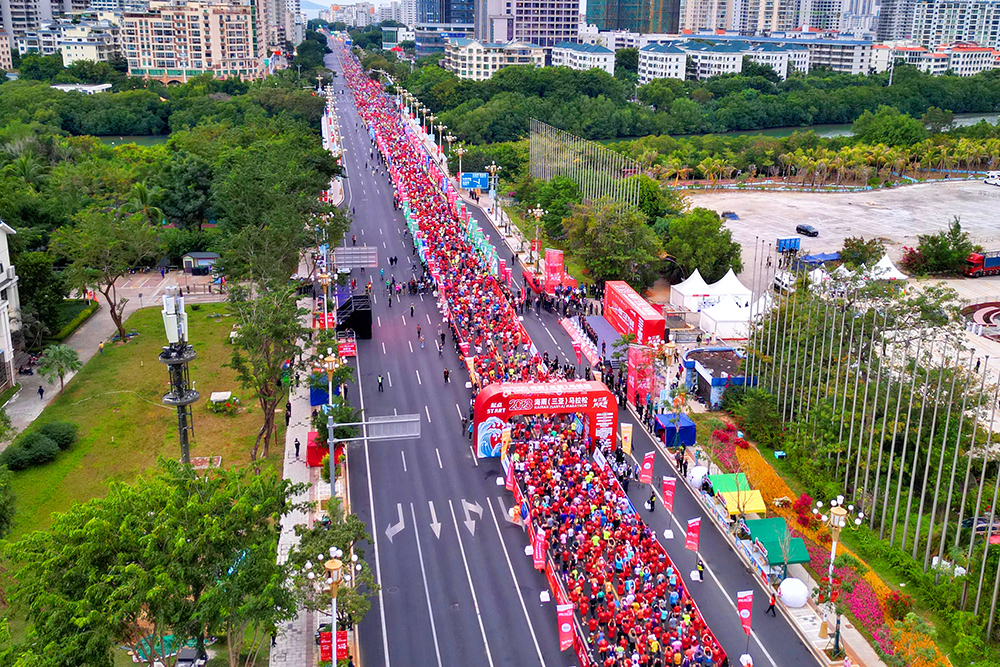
(806,230)
(982,525)
(982,264)
(992,178)
(784,281)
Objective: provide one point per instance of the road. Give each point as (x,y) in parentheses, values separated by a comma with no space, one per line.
(457,586)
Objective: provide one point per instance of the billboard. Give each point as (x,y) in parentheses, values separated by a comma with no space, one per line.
(475,179)
(629,313)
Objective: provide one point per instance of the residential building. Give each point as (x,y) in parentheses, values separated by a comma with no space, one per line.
(895,19)
(44,40)
(642,16)
(472,59)
(583,56)
(545,23)
(18,17)
(937,22)
(118,6)
(661,61)
(394,36)
(849,56)
(90,41)
(963,59)
(357,15)
(388,12)
(432,38)
(6,63)
(173,42)
(10,309)
(408,13)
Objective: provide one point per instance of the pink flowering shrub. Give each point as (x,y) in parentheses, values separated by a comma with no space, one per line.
(720,435)
(726,455)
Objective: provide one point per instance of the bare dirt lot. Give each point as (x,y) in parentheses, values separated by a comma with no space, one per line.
(896,215)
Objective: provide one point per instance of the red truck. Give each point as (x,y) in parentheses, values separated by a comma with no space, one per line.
(983,264)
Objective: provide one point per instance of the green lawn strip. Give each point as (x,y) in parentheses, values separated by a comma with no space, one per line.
(8,393)
(116,401)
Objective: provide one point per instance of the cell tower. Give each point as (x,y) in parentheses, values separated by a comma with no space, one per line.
(177,355)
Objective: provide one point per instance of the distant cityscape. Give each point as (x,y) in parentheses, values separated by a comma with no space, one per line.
(174,40)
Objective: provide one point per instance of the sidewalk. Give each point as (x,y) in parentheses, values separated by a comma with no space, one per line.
(25,406)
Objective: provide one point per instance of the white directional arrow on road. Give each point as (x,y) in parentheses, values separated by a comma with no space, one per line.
(470,523)
(396,529)
(435,524)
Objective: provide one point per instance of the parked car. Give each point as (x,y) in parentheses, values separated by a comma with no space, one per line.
(982,524)
(807,230)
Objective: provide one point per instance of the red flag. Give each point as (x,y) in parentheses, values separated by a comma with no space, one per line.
(669,486)
(325,646)
(341,644)
(646,471)
(576,348)
(693,534)
(744,604)
(538,553)
(564,614)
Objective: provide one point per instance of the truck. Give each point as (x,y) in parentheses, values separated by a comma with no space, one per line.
(983,264)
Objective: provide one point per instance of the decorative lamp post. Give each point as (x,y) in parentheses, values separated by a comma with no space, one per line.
(836,520)
(450,138)
(335,569)
(331,364)
(538,212)
(493,169)
(430,126)
(440,129)
(460,152)
(324,280)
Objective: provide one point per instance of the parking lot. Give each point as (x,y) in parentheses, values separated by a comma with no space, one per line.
(896,216)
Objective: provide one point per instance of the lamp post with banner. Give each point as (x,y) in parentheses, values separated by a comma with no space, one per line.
(538,212)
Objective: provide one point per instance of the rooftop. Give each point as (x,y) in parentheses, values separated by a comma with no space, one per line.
(584,48)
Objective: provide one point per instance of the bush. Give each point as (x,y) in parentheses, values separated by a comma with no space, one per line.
(61,433)
(74,323)
(898,604)
(31,449)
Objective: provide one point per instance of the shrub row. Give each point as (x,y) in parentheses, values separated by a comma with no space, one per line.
(80,318)
(39,446)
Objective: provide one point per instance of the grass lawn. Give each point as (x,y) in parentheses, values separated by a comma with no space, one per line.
(115,400)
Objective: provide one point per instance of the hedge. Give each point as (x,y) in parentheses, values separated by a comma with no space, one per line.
(39,446)
(75,323)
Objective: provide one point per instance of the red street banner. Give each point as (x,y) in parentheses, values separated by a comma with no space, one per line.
(744,604)
(669,485)
(538,551)
(325,646)
(564,614)
(348,348)
(576,349)
(553,268)
(693,534)
(646,471)
(639,381)
(464,347)
(341,644)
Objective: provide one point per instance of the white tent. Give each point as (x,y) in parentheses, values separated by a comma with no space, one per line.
(843,272)
(730,285)
(725,319)
(818,276)
(886,270)
(689,293)
(761,306)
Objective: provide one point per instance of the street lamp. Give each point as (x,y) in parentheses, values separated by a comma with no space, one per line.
(331,364)
(440,128)
(538,212)
(460,152)
(450,138)
(430,125)
(334,568)
(324,280)
(837,519)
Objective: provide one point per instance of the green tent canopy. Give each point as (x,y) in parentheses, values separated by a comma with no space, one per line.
(770,533)
(729,483)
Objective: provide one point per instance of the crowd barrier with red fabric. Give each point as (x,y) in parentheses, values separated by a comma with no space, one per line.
(473,300)
(497,403)
(629,313)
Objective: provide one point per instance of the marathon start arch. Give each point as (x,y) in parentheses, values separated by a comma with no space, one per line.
(497,403)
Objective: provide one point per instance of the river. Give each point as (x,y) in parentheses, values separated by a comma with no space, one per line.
(142,140)
(844,129)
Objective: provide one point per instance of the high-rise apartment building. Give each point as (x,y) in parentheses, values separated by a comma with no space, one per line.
(6,61)
(937,22)
(542,22)
(18,17)
(173,42)
(644,16)
(408,13)
(895,19)
(747,17)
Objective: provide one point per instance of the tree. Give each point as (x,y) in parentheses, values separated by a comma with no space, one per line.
(858,252)
(347,533)
(270,330)
(627,60)
(40,287)
(184,184)
(141,202)
(614,242)
(698,240)
(888,126)
(59,360)
(8,501)
(153,559)
(937,120)
(753,68)
(944,252)
(102,248)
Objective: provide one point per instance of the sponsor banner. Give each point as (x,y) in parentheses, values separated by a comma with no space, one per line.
(646,471)
(577,350)
(627,438)
(744,604)
(693,535)
(348,348)
(629,313)
(341,644)
(564,613)
(669,486)
(538,549)
(325,646)
(639,381)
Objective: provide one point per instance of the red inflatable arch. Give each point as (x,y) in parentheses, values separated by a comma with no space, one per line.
(497,403)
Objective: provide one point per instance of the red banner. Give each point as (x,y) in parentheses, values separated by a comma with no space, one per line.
(325,646)
(538,550)
(693,534)
(564,613)
(744,604)
(639,381)
(342,645)
(669,486)
(331,321)
(553,268)
(646,471)
(577,350)
(629,313)
(464,347)
(347,348)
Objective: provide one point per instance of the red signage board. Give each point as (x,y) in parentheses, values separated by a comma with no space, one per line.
(348,348)
(640,377)
(538,550)
(669,486)
(646,471)
(564,613)
(744,603)
(331,321)
(693,534)
(553,268)
(629,313)
(498,402)
(325,646)
(341,644)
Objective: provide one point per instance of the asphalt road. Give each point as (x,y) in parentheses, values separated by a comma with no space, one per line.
(457,586)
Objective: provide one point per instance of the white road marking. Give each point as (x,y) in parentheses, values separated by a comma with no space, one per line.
(550,335)
(459,411)
(411,351)
(517,584)
(379,319)
(475,459)
(384,245)
(423,573)
(429,421)
(383,348)
(475,599)
(389,376)
(438,452)
(429,320)
(418,378)
(403,454)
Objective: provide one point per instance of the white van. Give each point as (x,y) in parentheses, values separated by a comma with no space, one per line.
(992,178)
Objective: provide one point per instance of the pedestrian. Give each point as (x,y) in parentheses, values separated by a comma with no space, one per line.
(411,310)
(354,239)
(288,418)
(380,383)
(41,393)
(297,445)
(770,606)
(701,570)
(390,299)
(446,374)
(288,408)
(651,503)
(978,361)
(100,347)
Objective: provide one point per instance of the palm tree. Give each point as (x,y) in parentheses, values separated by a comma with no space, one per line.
(59,360)
(27,167)
(141,200)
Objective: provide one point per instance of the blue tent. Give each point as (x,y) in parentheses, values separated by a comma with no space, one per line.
(820,258)
(667,426)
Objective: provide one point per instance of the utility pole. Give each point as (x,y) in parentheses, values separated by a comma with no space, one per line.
(176,356)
